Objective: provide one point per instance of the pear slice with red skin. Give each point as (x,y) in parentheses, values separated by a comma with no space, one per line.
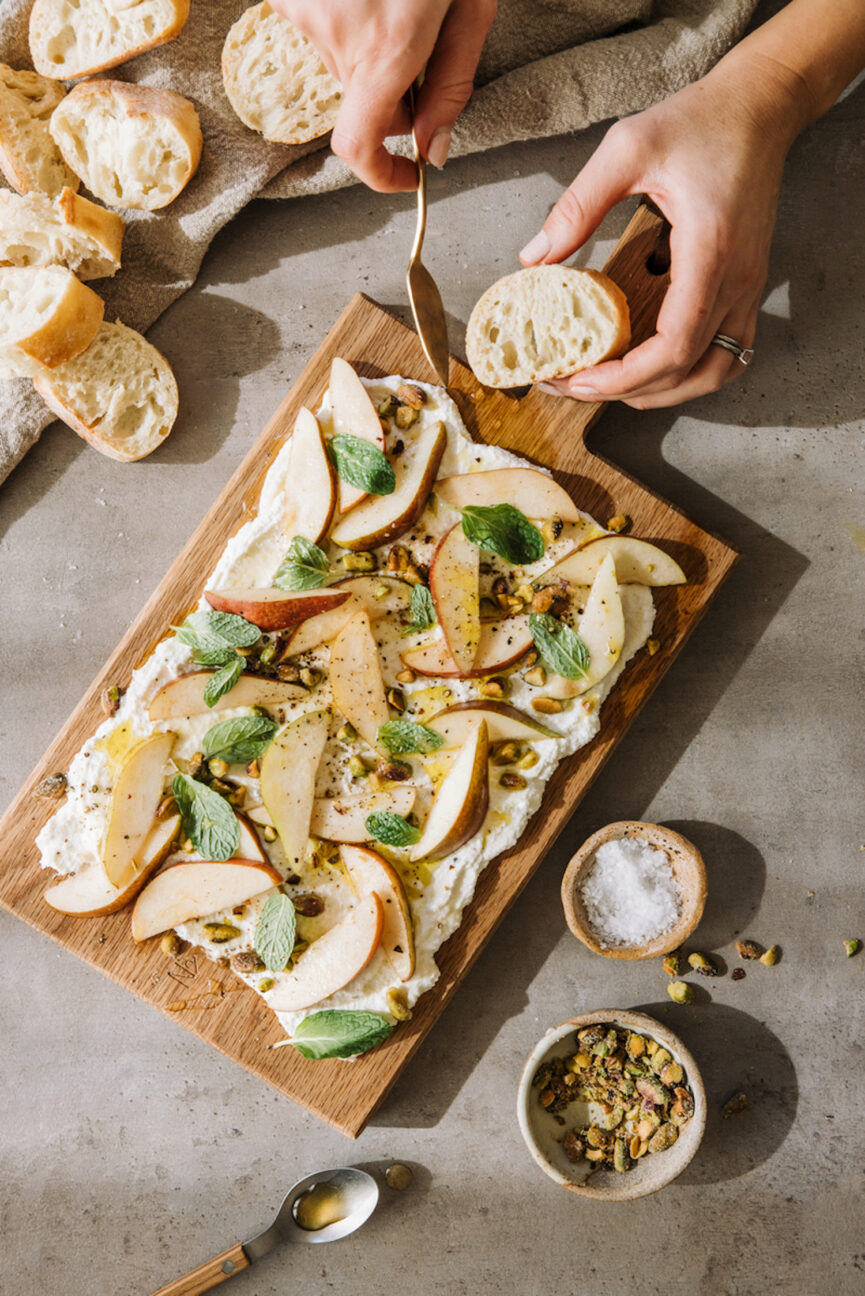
(532,492)
(287,779)
(602,630)
(454,585)
(275,609)
(196,888)
(332,960)
(501,644)
(184,696)
(250,847)
(637,563)
(355,678)
(89,894)
(364,594)
(135,799)
(371,872)
(353,415)
(460,804)
(310,481)
(505,723)
(343,819)
(383,518)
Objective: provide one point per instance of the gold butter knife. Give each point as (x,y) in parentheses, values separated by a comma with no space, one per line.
(424,297)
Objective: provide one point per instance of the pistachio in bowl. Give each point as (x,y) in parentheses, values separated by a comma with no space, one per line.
(611,1105)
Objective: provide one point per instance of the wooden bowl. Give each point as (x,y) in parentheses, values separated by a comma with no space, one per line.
(688,870)
(542,1133)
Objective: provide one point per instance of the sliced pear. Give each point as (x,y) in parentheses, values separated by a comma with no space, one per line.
(184,696)
(275,609)
(250,847)
(134,802)
(460,805)
(371,872)
(637,563)
(353,415)
(196,888)
(355,678)
(382,518)
(504,723)
(380,596)
(310,481)
(88,894)
(288,770)
(454,586)
(501,644)
(602,630)
(343,819)
(532,492)
(333,960)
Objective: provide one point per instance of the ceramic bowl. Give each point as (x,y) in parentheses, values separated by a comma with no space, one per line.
(688,870)
(542,1132)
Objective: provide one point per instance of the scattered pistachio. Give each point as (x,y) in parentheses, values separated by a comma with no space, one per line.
(171,944)
(526,593)
(506,753)
(309,676)
(663,1138)
(361,561)
(680,992)
(267,654)
(387,406)
(237,796)
(405,416)
(493,688)
(309,906)
(220,932)
(397,1003)
(652,646)
(672,1074)
(269,833)
(414,397)
(636,1046)
(406,676)
(852,947)
(621,522)
(265,985)
(552,529)
(222,786)
(398,1177)
(531,657)
(358,768)
(748,949)
(398,558)
(512,781)
(547,705)
(167,807)
(394,770)
(396,699)
(528,760)
(218,767)
(771,956)
(550,599)
(288,673)
(737,1103)
(701,964)
(537,677)
(380,592)
(346,733)
(671,963)
(52,786)
(110,699)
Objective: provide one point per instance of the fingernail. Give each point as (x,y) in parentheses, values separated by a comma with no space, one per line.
(437,152)
(548,387)
(536,249)
(577,389)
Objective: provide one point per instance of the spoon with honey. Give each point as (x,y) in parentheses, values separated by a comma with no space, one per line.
(322,1207)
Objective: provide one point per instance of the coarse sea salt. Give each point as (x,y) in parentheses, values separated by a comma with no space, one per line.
(630,893)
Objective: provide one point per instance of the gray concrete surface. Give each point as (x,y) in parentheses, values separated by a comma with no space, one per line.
(132,1152)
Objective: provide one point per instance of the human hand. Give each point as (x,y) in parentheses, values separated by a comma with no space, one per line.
(711,158)
(376,49)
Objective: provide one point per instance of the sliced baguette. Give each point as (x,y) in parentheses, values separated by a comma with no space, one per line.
(29,158)
(74,38)
(546,322)
(47,317)
(119,394)
(132,145)
(276,80)
(68,231)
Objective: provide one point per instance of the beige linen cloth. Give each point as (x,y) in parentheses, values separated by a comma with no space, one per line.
(549,67)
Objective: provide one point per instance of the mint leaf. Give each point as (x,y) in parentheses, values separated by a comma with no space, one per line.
(504,530)
(275,932)
(402,736)
(208,820)
(362,464)
(335,1033)
(561,650)
(214,636)
(305,566)
(207,649)
(391,829)
(239,741)
(223,680)
(423,613)
(234,629)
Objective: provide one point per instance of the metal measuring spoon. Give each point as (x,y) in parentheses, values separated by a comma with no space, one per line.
(322,1207)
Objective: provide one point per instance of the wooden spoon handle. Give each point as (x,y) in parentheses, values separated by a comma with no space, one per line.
(207,1275)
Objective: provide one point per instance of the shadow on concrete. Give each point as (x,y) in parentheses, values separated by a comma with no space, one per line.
(736,873)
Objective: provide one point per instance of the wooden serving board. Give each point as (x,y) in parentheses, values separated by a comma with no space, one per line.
(545,429)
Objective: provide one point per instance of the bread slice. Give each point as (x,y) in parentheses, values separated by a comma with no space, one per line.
(132,145)
(119,394)
(276,80)
(74,38)
(546,322)
(47,317)
(68,230)
(29,158)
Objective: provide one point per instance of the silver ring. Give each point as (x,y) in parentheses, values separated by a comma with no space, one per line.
(743,354)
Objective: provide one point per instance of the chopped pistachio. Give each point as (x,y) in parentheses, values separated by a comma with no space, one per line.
(671,1074)
(171,944)
(269,833)
(52,786)
(512,781)
(405,416)
(852,947)
(414,397)
(358,767)
(346,733)
(748,949)
(528,760)
(218,767)
(246,962)
(636,1045)
(397,1003)
(507,753)
(493,688)
(396,699)
(288,673)
(380,592)
(552,529)
(395,771)
(652,646)
(265,985)
(670,963)
(309,676)
(701,964)
(406,676)
(620,523)
(547,705)
(310,906)
(537,677)
(680,992)
(771,956)
(220,932)
(737,1103)
(387,406)
(360,561)
(664,1137)
(398,558)
(111,699)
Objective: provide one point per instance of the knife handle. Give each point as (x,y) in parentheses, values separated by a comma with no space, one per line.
(207,1275)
